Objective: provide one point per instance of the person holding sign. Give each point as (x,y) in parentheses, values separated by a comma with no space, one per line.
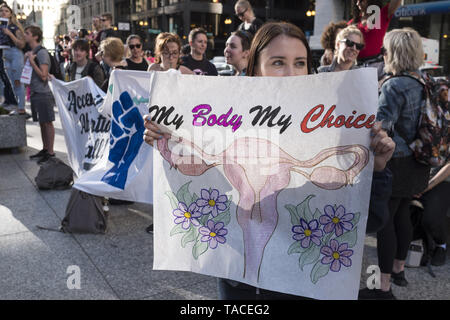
(349,42)
(82,66)
(167,54)
(279,49)
(237,49)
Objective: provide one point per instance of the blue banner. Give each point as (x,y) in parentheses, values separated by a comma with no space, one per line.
(423,9)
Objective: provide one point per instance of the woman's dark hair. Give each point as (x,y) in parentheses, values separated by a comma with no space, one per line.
(329,34)
(246,39)
(81,44)
(267,33)
(356,13)
(82,33)
(186,49)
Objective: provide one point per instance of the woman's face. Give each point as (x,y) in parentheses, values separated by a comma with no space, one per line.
(170,55)
(284,56)
(242,13)
(346,53)
(233,51)
(5,13)
(135,47)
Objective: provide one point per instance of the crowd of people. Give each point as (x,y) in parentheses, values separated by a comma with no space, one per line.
(251,50)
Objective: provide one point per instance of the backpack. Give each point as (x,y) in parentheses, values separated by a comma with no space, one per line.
(54,174)
(85,213)
(53,68)
(431,145)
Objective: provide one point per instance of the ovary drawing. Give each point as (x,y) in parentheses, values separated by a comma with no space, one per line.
(257,212)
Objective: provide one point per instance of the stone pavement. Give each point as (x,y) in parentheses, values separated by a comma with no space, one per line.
(118,265)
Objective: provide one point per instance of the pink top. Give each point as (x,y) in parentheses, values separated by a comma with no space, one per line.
(373,38)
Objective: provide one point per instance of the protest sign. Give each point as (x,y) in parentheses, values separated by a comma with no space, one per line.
(125,171)
(86,131)
(265,180)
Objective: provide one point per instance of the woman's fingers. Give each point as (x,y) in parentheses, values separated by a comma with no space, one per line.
(151,132)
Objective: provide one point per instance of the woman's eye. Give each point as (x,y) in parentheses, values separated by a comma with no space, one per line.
(277,63)
(300,64)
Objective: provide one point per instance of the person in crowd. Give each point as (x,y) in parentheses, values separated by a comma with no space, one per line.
(96,28)
(196,60)
(237,50)
(435,199)
(244,12)
(328,41)
(288,44)
(73,34)
(349,42)
(399,105)
(67,54)
(82,66)
(185,50)
(107,29)
(373,34)
(149,57)
(13,56)
(112,51)
(59,53)
(83,34)
(136,60)
(167,54)
(42,102)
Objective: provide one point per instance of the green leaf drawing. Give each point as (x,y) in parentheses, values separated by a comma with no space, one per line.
(296,247)
(355,219)
(295,218)
(189,236)
(183,195)
(173,199)
(349,237)
(204,219)
(319,271)
(194,197)
(199,248)
(327,239)
(177,229)
(317,214)
(309,256)
(224,217)
(303,209)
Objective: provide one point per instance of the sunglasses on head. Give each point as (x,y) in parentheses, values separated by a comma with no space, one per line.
(241,14)
(132,46)
(350,43)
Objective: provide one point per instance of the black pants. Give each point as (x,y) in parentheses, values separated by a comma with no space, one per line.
(436,203)
(394,239)
(10,97)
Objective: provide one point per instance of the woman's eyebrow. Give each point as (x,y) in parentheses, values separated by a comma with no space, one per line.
(278,57)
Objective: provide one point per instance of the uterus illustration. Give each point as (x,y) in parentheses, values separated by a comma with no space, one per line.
(259,177)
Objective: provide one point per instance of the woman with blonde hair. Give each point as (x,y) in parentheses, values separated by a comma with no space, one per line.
(399,105)
(167,54)
(13,56)
(112,51)
(349,42)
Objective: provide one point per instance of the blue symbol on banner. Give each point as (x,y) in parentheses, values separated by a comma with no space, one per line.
(127,130)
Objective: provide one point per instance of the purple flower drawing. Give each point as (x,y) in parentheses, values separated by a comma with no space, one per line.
(212,202)
(213,233)
(186,215)
(336,255)
(307,232)
(336,220)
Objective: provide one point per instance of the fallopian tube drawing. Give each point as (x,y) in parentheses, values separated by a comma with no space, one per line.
(257,212)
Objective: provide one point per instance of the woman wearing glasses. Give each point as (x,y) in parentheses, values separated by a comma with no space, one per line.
(167,54)
(136,60)
(349,42)
(244,12)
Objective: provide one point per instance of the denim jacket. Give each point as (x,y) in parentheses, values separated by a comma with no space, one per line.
(399,105)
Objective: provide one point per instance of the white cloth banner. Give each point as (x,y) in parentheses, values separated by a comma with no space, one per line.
(125,171)
(265,180)
(86,131)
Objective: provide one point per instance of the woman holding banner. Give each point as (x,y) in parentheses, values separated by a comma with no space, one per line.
(167,54)
(279,49)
